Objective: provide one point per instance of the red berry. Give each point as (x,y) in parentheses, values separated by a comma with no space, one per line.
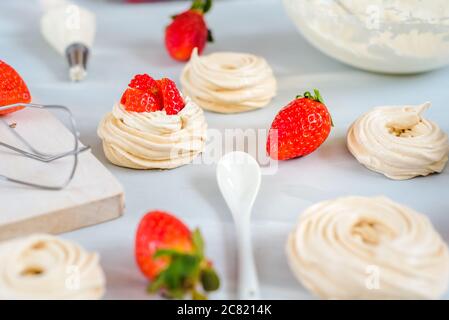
(135,100)
(173,101)
(187,31)
(299,128)
(143,95)
(12,88)
(159,230)
(144,82)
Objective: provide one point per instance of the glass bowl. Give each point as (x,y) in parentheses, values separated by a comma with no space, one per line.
(388,36)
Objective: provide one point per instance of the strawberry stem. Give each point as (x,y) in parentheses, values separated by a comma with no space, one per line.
(198,242)
(209,279)
(185,271)
(198,295)
(201,5)
(317,97)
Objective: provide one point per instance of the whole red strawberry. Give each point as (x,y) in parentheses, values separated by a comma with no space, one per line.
(171,97)
(12,88)
(172,257)
(188,30)
(142,95)
(299,128)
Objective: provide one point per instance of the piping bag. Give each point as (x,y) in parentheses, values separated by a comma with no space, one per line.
(70,30)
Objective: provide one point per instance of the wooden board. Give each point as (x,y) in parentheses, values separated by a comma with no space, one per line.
(93,196)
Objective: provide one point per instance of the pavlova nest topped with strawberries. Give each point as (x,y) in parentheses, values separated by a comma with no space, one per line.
(153,126)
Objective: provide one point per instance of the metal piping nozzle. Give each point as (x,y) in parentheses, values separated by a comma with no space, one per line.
(77,55)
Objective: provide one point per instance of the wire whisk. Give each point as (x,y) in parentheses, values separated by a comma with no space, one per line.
(31,152)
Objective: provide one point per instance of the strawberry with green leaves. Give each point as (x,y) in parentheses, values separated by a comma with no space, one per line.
(172,257)
(299,128)
(188,30)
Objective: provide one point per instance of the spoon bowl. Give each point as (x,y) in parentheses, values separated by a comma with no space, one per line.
(238,176)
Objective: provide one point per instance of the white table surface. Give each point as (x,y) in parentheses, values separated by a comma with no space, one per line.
(129,41)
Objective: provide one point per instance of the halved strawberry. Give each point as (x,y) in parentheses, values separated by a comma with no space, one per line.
(12,88)
(142,95)
(135,100)
(172,257)
(144,82)
(173,101)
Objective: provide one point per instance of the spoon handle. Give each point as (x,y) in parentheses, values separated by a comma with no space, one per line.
(248,282)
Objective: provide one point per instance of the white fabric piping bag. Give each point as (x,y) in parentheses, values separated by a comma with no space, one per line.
(70,30)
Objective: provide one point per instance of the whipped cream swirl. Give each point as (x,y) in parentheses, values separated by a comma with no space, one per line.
(46,267)
(229,82)
(153,140)
(398,142)
(368,248)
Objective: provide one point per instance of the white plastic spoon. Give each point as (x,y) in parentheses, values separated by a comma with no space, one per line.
(238,176)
